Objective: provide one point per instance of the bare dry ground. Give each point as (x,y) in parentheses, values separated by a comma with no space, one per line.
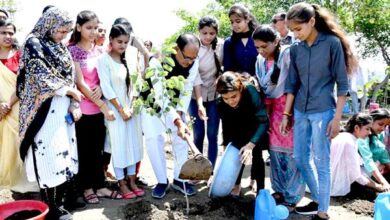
(173,206)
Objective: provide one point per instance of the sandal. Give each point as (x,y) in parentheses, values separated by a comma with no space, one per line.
(91,199)
(129,195)
(126,195)
(114,195)
(139,192)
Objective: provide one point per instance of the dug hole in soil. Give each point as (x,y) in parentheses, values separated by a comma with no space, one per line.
(201,206)
(174,206)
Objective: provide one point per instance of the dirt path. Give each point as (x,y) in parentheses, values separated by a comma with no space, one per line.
(173,206)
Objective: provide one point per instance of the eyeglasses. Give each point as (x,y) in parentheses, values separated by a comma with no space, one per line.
(190,59)
(276,20)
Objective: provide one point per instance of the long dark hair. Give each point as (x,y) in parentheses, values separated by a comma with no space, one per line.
(82,18)
(359,119)
(210,21)
(116,31)
(266,34)
(376,115)
(230,81)
(243,12)
(324,22)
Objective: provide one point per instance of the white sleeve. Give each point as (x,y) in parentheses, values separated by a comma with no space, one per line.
(62,91)
(105,79)
(188,86)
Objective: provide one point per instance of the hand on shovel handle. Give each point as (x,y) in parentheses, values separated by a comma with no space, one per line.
(190,142)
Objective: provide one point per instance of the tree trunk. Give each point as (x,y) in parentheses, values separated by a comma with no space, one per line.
(378,87)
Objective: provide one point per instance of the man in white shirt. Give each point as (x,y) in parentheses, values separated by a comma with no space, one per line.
(155,127)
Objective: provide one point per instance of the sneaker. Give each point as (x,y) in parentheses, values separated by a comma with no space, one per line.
(309,209)
(160,190)
(317,217)
(179,186)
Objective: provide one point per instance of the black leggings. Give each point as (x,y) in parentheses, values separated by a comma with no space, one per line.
(91,134)
(257,171)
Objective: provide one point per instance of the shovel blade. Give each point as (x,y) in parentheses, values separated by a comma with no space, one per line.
(197,168)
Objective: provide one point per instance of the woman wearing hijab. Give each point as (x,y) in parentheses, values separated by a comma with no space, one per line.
(48,108)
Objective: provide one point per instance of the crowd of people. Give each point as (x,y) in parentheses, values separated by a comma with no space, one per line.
(67,108)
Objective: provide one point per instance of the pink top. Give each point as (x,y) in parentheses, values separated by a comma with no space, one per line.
(88,64)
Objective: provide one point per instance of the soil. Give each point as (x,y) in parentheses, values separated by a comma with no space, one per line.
(200,207)
(173,206)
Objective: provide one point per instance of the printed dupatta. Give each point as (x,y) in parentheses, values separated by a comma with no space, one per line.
(45,67)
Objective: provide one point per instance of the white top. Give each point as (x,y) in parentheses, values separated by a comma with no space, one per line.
(208,70)
(273,90)
(345,164)
(125,136)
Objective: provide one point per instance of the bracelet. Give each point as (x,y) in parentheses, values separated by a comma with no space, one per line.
(287,114)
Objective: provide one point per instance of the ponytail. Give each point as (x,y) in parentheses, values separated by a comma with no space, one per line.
(124,62)
(324,22)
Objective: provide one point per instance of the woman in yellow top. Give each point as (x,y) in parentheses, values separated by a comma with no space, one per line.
(12,174)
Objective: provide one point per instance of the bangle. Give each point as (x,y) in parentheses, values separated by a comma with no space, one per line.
(287,114)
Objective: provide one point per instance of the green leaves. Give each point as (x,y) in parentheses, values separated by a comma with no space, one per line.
(157,104)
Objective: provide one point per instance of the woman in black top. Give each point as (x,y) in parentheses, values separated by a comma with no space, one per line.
(244,122)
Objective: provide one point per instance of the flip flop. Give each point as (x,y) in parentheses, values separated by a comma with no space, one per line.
(89,199)
(114,195)
(129,195)
(139,192)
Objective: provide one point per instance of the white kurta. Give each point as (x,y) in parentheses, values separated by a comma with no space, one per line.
(125,137)
(56,153)
(154,128)
(345,164)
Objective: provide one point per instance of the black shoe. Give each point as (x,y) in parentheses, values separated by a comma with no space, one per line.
(316,217)
(309,209)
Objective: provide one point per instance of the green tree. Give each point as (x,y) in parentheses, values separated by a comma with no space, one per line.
(10,6)
(367,19)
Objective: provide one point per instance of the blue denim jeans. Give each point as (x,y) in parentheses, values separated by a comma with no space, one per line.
(310,137)
(212,128)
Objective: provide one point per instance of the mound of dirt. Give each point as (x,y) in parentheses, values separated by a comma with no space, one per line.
(360,207)
(174,206)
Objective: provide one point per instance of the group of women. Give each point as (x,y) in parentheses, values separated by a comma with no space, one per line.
(73,101)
